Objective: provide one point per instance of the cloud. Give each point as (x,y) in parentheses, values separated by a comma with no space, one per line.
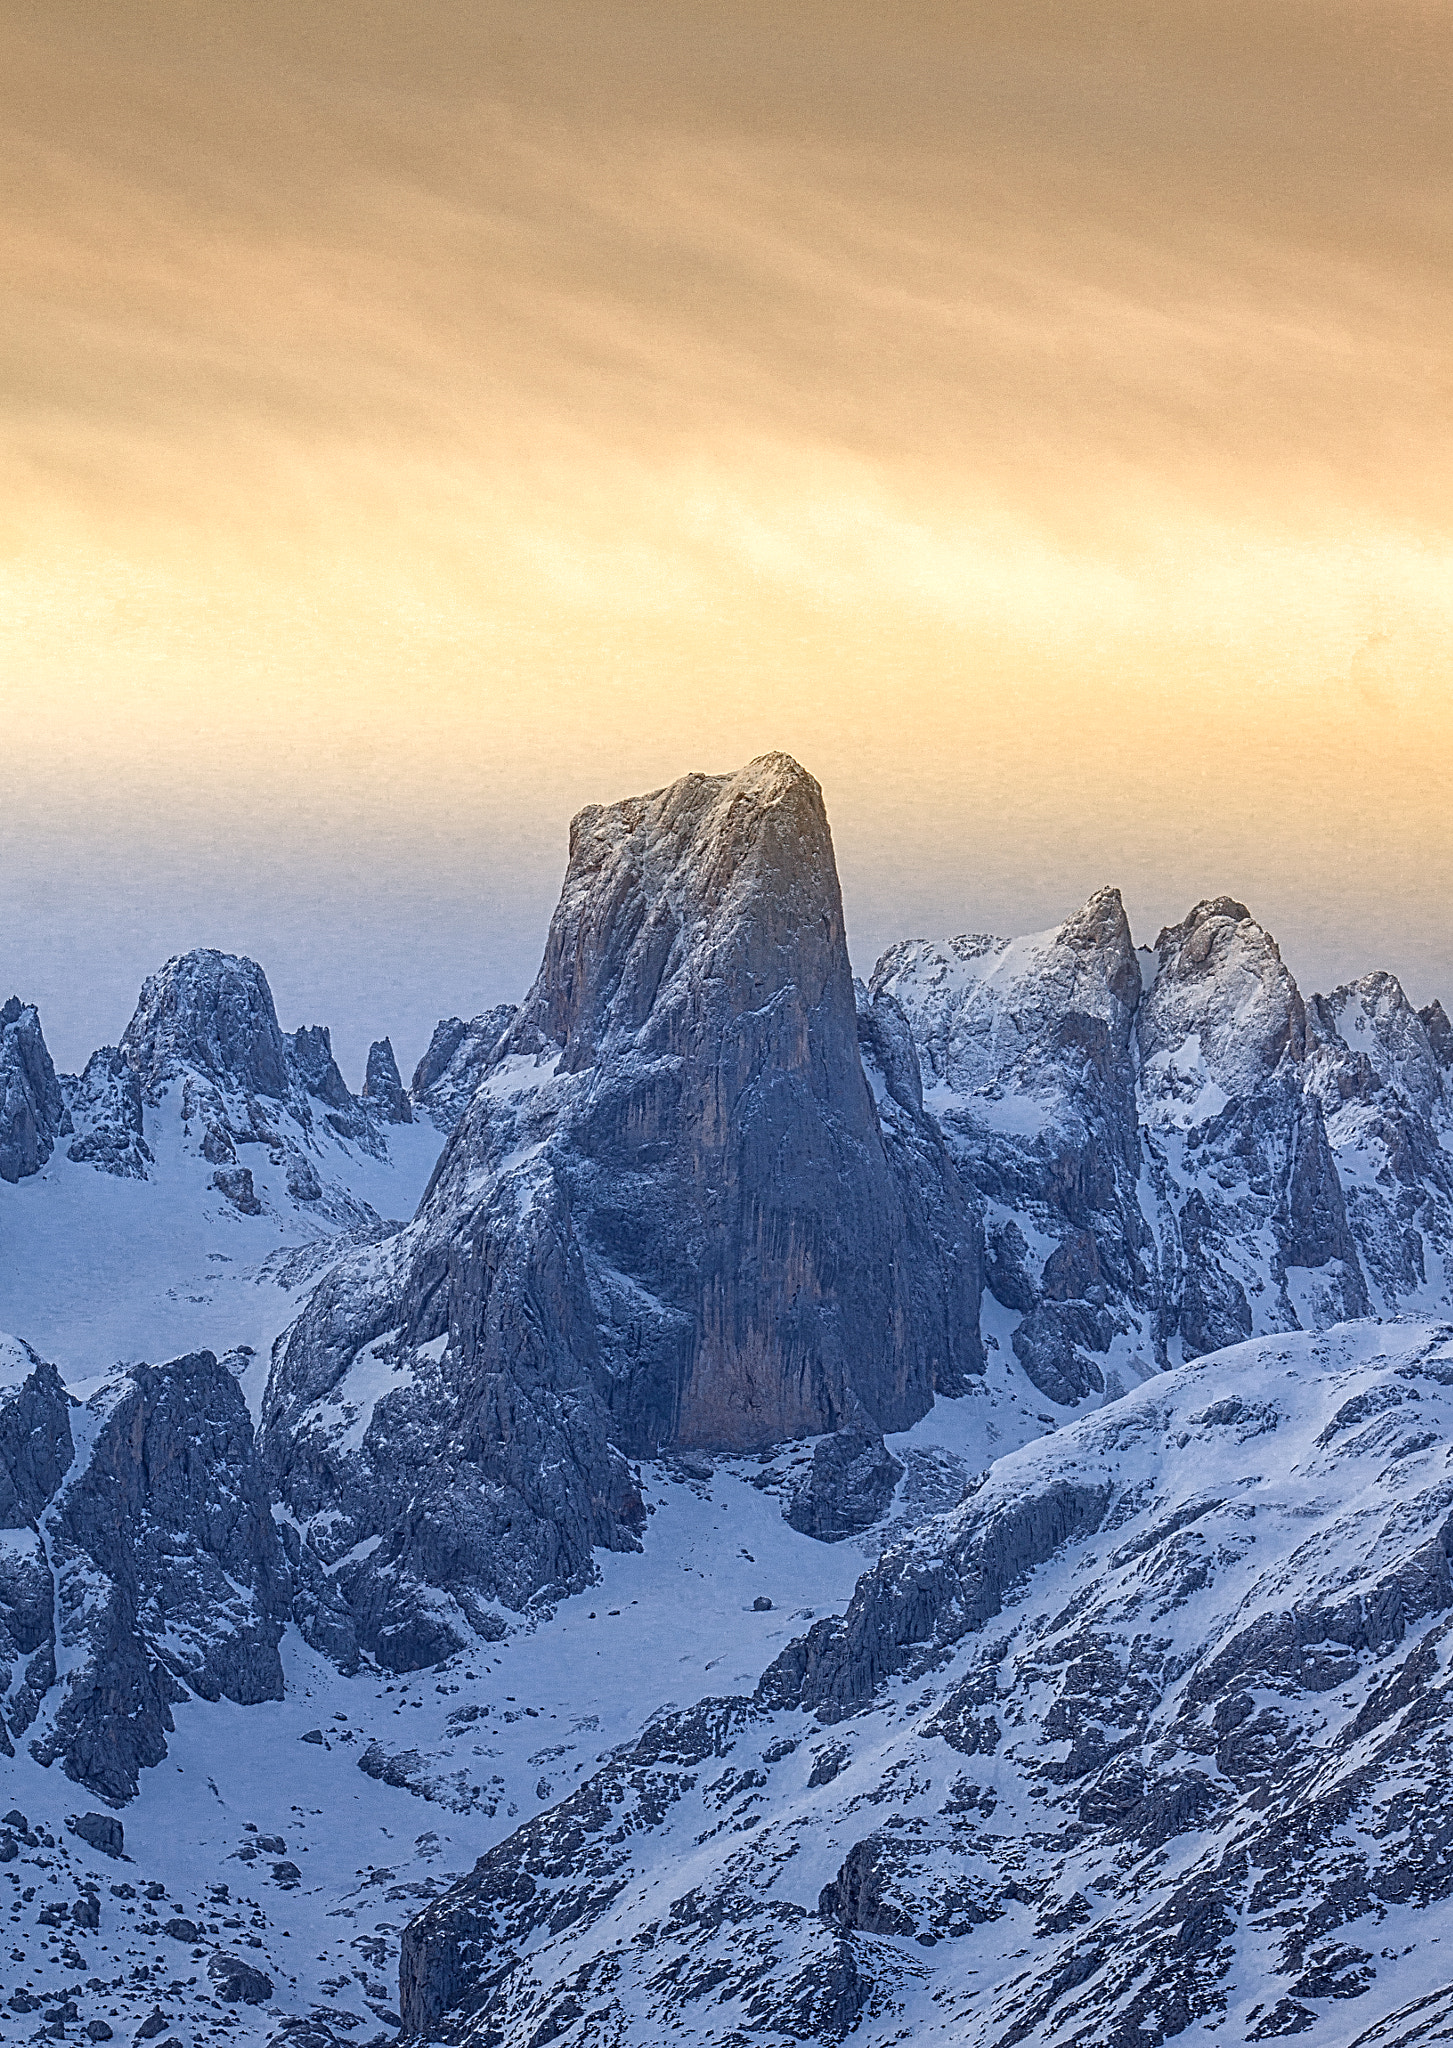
(421,419)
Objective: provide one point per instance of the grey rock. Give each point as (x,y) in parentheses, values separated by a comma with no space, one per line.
(459,1055)
(314,1073)
(36,1446)
(36,1450)
(912,1599)
(235,1182)
(1006,1267)
(212,1012)
(107,1113)
(237,1982)
(1434,1020)
(310,1055)
(383,1091)
(302,1180)
(1383,1090)
(170,1576)
(1053,1344)
(218,1145)
(858,1897)
(847,1487)
(206,1030)
(676,1161)
(32,1109)
(101,1830)
(944,1270)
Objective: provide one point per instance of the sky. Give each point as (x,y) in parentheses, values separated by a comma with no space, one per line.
(422,418)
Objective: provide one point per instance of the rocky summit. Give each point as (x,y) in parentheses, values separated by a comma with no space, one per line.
(674,1157)
(1172,1149)
(742,1505)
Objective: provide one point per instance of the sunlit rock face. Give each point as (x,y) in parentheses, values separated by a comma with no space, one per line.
(726,1156)
(670,1216)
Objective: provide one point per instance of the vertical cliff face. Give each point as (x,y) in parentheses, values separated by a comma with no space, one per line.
(169,1576)
(669,1216)
(383,1091)
(140,1562)
(32,1109)
(726,1157)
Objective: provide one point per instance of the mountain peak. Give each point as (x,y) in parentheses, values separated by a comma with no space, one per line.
(212,1011)
(1222,989)
(383,1090)
(741,864)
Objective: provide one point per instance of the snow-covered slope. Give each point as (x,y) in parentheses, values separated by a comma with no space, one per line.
(1149,1737)
(196,1174)
(299,1833)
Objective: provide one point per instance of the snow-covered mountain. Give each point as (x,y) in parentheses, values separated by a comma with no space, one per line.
(879,1509)
(176,1194)
(1149,1737)
(1173,1150)
(669,1217)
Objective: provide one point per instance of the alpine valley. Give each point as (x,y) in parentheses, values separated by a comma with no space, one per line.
(905,1510)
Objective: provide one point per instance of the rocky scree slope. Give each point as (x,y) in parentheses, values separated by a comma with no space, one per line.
(1151,1735)
(1174,1151)
(671,1215)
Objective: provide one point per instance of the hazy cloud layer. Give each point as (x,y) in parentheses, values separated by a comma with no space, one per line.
(420,420)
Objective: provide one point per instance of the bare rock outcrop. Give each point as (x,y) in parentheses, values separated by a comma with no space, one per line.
(846,1488)
(32,1108)
(669,1216)
(458,1056)
(169,1575)
(108,1114)
(383,1092)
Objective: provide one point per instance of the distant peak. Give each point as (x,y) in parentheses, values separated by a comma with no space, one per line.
(213,1011)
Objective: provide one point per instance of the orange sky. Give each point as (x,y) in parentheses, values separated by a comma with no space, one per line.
(420,418)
